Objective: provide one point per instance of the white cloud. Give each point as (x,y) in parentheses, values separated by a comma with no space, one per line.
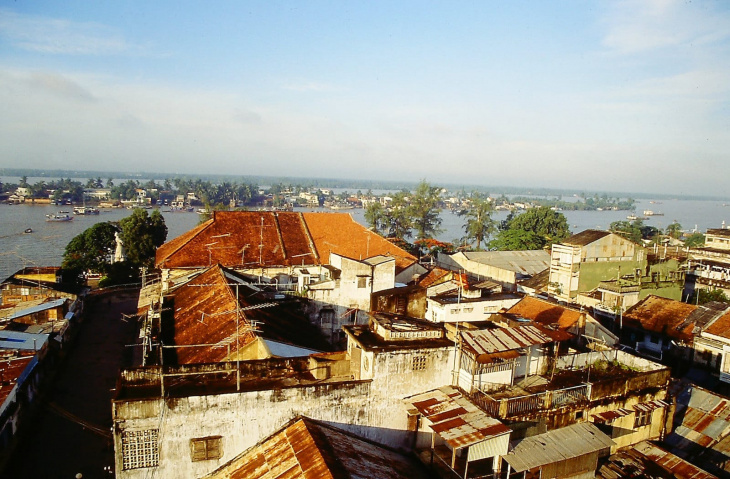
(639,26)
(59,36)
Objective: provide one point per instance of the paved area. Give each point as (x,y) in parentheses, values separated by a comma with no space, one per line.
(71,433)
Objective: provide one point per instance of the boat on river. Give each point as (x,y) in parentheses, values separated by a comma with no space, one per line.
(85,210)
(59,217)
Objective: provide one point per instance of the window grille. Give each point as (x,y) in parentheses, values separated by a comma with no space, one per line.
(140,449)
(643,418)
(419,363)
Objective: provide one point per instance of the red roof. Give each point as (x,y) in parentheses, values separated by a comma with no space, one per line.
(545,312)
(204,313)
(10,371)
(258,238)
(661,315)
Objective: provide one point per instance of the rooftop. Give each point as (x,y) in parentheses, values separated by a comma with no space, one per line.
(545,312)
(305,448)
(661,315)
(557,445)
(585,237)
(529,262)
(391,332)
(204,314)
(454,418)
(483,343)
(258,238)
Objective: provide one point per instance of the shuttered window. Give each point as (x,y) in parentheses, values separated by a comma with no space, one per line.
(204,448)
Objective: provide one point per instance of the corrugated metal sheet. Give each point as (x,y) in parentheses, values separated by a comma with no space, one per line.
(678,466)
(496,446)
(556,446)
(19,313)
(456,419)
(308,449)
(503,339)
(528,262)
(608,416)
(22,341)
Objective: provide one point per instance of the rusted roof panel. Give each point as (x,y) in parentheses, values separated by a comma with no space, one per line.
(649,460)
(545,312)
(490,341)
(721,326)
(307,449)
(455,419)
(204,312)
(10,371)
(608,416)
(661,315)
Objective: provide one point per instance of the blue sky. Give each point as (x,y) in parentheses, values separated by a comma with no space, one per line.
(622,96)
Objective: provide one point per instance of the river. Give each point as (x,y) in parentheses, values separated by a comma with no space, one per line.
(45,246)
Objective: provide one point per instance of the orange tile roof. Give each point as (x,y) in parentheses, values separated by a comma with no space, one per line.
(661,315)
(435,276)
(545,312)
(258,238)
(204,313)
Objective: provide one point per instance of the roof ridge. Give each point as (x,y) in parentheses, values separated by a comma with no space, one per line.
(201,227)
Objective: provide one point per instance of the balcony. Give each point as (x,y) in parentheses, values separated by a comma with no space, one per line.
(578,379)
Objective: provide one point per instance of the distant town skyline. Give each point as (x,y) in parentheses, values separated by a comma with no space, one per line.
(592,96)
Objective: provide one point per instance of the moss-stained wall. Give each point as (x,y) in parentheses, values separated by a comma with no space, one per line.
(592,273)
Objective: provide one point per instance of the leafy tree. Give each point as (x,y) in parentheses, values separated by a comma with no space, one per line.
(702,296)
(479,223)
(142,234)
(375,215)
(674,230)
(109,182)
(627,229)
(695,240)
(544,225)
(398,222)
(424,212)
(517,240)
(91,250)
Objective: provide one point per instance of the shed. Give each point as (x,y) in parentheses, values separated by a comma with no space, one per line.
(567,452)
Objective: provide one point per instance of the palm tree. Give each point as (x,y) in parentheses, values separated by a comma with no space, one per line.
(479,223)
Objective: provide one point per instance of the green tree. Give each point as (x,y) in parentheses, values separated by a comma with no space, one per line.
(479,223)
(549,225)
(91,250)
(695,240)
(517,240)
(628,229)
(398,222)
(375,215)
(674,230)
(424,211)
(142,234)
(702,296)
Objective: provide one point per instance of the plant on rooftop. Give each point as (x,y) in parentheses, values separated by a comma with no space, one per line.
(534,229)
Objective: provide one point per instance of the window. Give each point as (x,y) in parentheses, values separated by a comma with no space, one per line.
(468,310)
(140,449)
(643,418)
(25,291)
(419,363)
(205,448)
(362,281)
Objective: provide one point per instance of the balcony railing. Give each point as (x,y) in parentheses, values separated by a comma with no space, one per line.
(522,405)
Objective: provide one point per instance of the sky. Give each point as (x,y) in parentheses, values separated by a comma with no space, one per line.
(607,96)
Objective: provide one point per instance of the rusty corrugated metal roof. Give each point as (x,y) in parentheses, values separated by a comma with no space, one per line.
(490,341)
(259,238)
(661,315)
(649,460)
(456,419)
(308,449)
(527,262)
(205,312)
(545,312)
(10,371)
